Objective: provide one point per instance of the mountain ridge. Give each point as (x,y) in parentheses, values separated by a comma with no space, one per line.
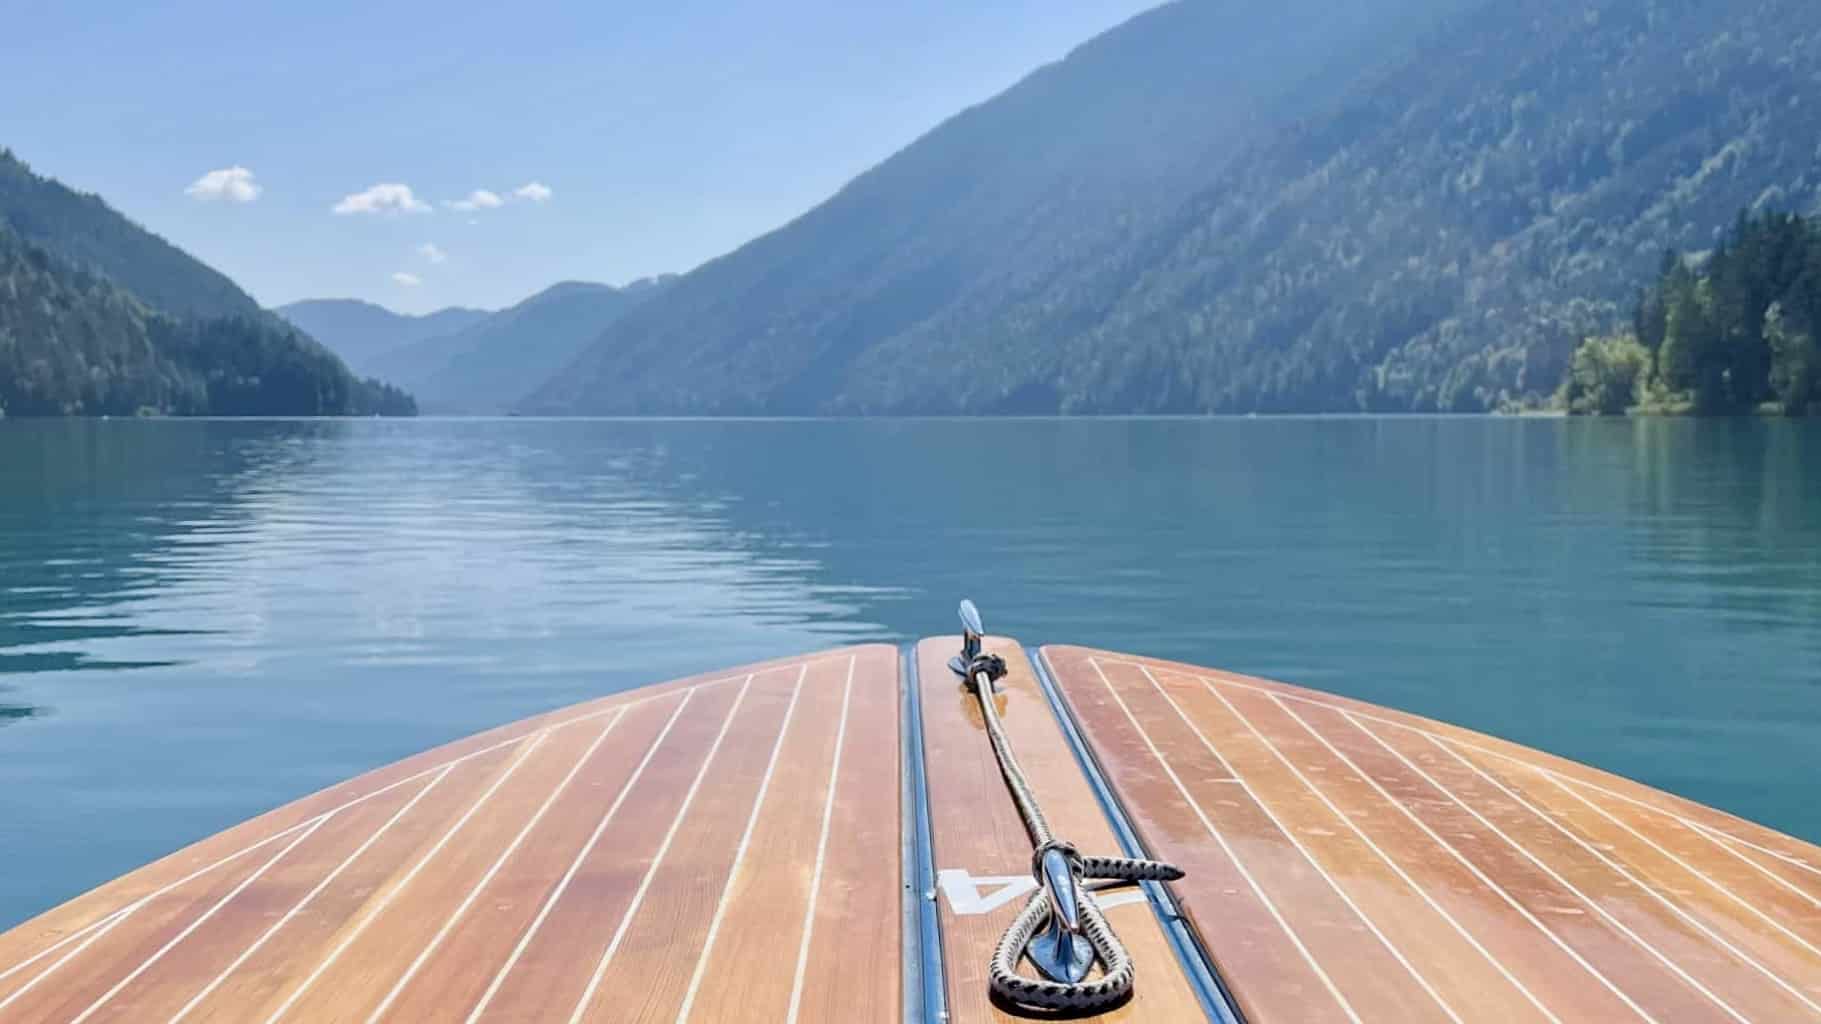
(490,364)
(1252,210)
(98,315)
(363,332)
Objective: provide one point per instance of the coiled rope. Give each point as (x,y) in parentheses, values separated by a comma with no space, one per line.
(1114,985)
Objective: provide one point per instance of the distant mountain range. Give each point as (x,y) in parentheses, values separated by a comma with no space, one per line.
(469,361)
(99,316)
(1226,207)
(363,333)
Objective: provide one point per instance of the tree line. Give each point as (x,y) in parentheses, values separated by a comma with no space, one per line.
(1727,333)
(73,343)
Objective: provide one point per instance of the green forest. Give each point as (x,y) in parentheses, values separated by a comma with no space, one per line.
(1732,332)
(1234,208)
(100,317)
(72,343)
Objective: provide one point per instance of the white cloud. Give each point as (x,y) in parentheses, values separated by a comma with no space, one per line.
(535,191)
(406,279)
(429,251)
(229,184)
(384,198)
(479,199)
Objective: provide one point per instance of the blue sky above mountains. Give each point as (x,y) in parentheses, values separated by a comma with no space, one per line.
(424,155)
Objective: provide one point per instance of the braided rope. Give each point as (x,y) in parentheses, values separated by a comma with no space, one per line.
(1114,984)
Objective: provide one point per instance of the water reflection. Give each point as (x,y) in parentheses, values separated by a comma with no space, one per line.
(303,600)
(11,712)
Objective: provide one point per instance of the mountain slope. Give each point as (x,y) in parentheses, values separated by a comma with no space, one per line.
(74,343)
(362,332)
(987,210)
(100,316)
(1217,208)
(494,363)
(1445,237)
(83,231)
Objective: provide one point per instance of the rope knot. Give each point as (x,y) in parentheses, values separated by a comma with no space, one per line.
(1069,853)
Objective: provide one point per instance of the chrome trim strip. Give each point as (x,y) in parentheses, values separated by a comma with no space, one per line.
(925,993)
(1216,1001)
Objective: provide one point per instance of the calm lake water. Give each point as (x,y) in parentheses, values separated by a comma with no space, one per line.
(202,620)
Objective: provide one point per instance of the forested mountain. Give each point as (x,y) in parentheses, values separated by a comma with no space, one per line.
(1276,207)
(99,316)
(494,363)
(988,213)
(84,231)
(73,343)
(362,332)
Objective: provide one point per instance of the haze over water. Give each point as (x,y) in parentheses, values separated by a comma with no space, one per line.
(200,620)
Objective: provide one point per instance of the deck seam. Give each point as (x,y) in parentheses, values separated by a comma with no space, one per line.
(1711,833)
(1191,953)
(474,891)
(1372,844)
(1226,847)
(132,906)
(815,881)
(1300,847)
(657,860)
(1640,884)
(1556,876)
(1467,862)
(297,908)
(925,1000)
(562,886)
(739,855)
(190,929)
(385,901)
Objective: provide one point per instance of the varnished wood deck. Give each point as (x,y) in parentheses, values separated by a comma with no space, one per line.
(727,848)
(978,833)
(713,849)
(1348,863)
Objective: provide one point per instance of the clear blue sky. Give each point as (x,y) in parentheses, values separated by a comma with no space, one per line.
(665,132)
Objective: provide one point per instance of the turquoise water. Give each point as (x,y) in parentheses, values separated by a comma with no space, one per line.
(201,620)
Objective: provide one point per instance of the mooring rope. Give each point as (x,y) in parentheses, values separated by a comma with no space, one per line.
(1114,984)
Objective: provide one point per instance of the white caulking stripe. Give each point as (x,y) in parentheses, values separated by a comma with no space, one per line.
(638,897)
(1503,971)
(1638,883)
(739,855)
(474,891)
(1713,833)
(307,822)
(1258,891)
(1684,865)
(109,926)
(392,893)
(102,926)
(1592,904)
(1716,835)
(133,907)
(815,878)
(297,908)
(524,942)
(1465,861)
(1754,865)
(190,929)
(1309,858)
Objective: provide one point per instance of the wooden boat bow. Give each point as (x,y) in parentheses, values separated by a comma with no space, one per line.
(831,838)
